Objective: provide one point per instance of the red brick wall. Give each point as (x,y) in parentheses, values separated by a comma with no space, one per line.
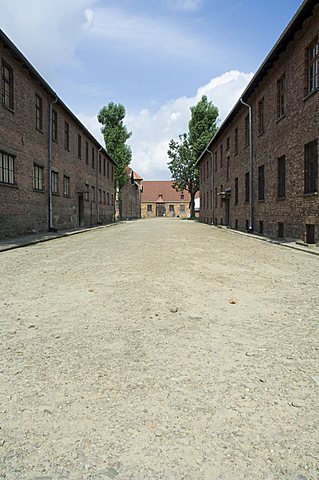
(131,201)
(287,137)
(22,209)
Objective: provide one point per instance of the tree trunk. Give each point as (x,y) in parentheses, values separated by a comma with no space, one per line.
(192,204)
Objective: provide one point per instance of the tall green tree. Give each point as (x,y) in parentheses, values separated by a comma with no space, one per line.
(185,153)
(116,135)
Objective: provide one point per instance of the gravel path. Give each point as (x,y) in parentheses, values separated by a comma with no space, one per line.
(102,378)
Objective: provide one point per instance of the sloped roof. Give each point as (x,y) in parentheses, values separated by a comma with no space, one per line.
(153,189)
(136,176)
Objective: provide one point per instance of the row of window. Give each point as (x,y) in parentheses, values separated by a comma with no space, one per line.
(171,208)
(310,179)
(312,85)
(8,101)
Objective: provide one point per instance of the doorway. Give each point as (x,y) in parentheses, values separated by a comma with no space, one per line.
(160,210)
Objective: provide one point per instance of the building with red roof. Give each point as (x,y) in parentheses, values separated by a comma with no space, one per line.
(160,199)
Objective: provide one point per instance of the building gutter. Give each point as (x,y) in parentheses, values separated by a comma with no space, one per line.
(50,210)
(251,165)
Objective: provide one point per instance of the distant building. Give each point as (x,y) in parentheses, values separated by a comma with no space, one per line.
(53,173)
(131,196)
(160,199)
(265,179)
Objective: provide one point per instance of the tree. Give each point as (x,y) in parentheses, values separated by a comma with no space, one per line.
(182,167)
(185,153)
(115,136)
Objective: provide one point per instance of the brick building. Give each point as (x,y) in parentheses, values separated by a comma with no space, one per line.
(43,145)
(131,196)
(160,199)
(265,178)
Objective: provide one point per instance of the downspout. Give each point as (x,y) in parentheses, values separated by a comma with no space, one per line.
(50,214)
(213,192)
(97,197)
(251,197)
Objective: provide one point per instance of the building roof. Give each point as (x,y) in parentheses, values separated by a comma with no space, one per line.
(19,57)
(136,176)
(152,190)
(304,12)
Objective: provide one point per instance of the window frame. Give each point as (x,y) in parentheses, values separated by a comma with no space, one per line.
(312,80)
(281,177)
(66,186)
(37,180)
(261,183)
(38,113)
(9,83)
(311,168)
(281,96)
(54,182)
(54,125)
(66,136)
(7,171)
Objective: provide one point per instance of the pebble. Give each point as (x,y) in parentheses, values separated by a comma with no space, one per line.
(173,309)
(2,442)
(112,473)
(158,432)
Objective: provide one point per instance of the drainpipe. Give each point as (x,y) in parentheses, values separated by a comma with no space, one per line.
(50,215)
(97,197)
(251,198)
(213,182)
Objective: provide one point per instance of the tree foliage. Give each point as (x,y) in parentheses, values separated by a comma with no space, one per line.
(184,153)
(115,136)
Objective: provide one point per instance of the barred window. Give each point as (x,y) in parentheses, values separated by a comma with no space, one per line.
(104,197)
(108,169)
(149,208)
(7,85)
(281,177)
(38,113)
(261,182)
(55,182)
(313,66)
(236,190)
(87,152)
(104,166)
(247,130)
(108,198)
(93,157)
(6,168)
(281,96)
(261,104)
(79,146)
(100,195)
(37,177)
(311,167)
(236,141)
(247,187)
(66,186)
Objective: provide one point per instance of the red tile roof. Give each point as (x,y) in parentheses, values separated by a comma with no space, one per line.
(136,176)
(153,189)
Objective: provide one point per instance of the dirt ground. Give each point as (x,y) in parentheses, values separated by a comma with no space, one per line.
(101,377)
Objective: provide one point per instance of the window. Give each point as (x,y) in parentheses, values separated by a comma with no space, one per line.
(310,234)
(207,168)
(93,194)
(221,198)
(66,186)
(182,208)
(236,191)
(261,182)
(112,173)
(86,152)
(108,170)
(215,161)
(54,125)
(247,187)
(87,192)
(311,167)
(93,158)
(100,195)
(236,224)
(312,67)
(37,177)
(100,164)
(55,182)
(236,141)
(261,227)
(112,199)
(261,116)
(281,177)
(7,85)
(79,146)
(215,199)
(211,199)
(227,168)
(108,198)
(66,136)
(38,113)
(247,130)
(171,208)
(104,166)
(104,197)
(149,208)
(221,156)
(227,144)
(6,168)
(182,196)
(281,96)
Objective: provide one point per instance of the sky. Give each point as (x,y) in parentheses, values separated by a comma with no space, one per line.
(156,57)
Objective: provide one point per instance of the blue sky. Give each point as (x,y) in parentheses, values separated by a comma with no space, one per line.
(156,57)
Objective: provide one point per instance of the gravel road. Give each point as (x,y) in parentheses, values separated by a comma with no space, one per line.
(159,349)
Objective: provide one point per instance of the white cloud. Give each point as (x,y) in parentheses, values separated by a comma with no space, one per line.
(136,32)
(152,131)
(184,5)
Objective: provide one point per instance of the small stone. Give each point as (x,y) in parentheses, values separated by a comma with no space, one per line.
(296,404)
(173,309)
(233,301)
(112,473)
(158,432)
(47,410)
(250,354)
(91,290)
(315,378)
(31,326)
(2,442)
(57,336)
